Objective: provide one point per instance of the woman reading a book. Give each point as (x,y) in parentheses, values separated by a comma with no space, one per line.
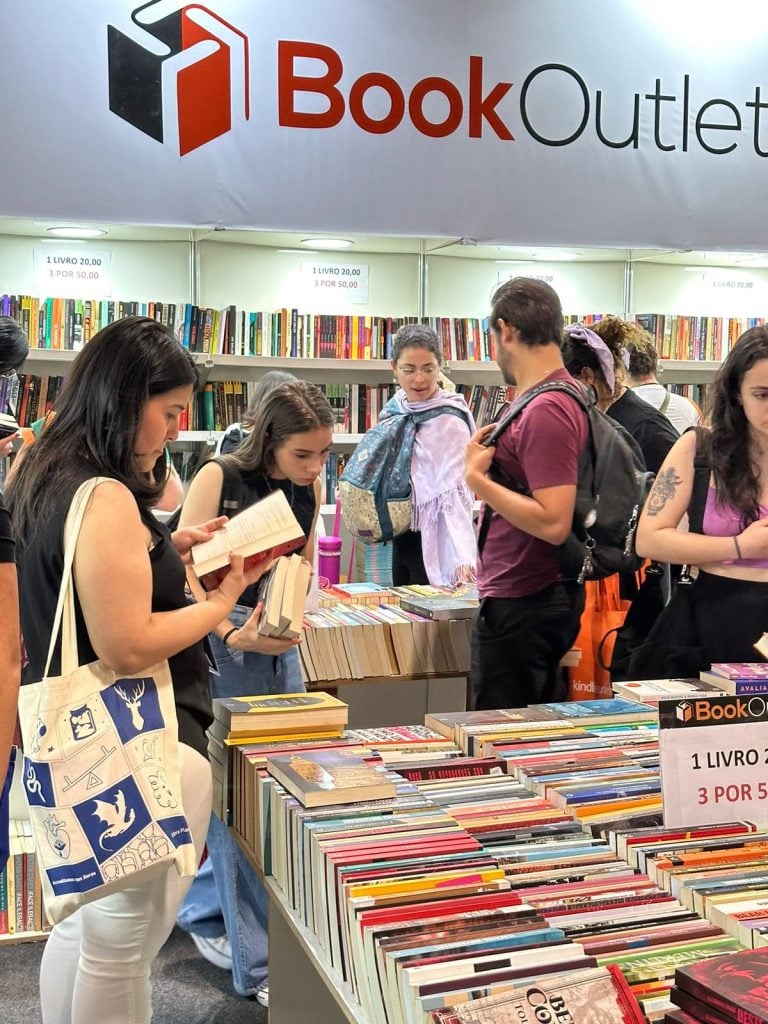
(719,478)
(440,548)
(226,910)
(118,411)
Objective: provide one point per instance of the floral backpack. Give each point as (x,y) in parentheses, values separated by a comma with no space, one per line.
(375,487)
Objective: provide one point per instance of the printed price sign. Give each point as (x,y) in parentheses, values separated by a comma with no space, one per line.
(73,273)
(343,280)
(714,760)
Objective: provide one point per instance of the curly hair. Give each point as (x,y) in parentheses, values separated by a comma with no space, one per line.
(737,478)
(643,357)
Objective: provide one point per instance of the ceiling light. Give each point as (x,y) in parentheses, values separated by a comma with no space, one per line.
(327,243)
(76,232)
(554,255)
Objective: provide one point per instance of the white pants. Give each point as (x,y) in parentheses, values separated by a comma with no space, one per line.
(97,962)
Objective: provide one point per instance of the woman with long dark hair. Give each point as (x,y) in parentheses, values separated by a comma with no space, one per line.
(119,409)
(725,610)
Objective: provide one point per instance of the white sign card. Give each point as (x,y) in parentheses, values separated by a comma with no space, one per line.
(714,760)
(348,281)
(73,273)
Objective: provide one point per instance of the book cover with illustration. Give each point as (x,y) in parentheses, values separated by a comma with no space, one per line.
(323,777)
(735,984)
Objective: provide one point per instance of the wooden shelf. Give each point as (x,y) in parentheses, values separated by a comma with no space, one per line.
(15,937)
(324,684)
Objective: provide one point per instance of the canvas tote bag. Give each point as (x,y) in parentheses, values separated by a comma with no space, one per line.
(101,765)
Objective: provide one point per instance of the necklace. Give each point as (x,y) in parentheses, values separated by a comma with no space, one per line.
(289,494)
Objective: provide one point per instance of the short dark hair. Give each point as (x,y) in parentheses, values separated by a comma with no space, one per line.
(14,346)
(532,308)
(643,357)
(416,336)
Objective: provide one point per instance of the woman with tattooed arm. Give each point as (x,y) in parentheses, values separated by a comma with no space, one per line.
(728,538)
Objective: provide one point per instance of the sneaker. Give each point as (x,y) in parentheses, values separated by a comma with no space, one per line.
(216,951)
(262,996)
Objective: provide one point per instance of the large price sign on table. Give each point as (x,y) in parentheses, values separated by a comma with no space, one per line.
(714,760)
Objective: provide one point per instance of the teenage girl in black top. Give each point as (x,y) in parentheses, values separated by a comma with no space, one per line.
(285,450)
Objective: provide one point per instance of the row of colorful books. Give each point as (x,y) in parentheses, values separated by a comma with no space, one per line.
(21,901)
(388,886)
(695,337)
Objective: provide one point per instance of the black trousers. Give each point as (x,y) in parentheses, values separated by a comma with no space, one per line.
(407,560)
(517,644)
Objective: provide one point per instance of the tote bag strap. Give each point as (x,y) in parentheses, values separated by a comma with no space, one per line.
(64,617)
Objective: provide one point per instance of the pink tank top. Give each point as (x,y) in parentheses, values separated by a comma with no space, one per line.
(725,521)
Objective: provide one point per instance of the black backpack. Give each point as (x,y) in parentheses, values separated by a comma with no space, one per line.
(611,488)
(231,500)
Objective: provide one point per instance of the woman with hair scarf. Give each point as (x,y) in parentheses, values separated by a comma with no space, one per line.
(440,548)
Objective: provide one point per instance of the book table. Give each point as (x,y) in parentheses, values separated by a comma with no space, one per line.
(303,987)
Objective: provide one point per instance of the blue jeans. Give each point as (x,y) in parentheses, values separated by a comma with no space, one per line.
(227,896)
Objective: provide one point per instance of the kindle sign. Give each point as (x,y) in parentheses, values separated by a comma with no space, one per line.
(182,76)
(714,760)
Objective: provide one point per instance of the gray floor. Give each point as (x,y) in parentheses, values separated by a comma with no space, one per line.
(185,988)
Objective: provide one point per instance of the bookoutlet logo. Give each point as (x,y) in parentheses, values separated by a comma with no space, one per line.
(185,69)
(186,72)
(716,711)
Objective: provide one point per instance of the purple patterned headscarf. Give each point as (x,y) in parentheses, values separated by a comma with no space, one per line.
(601,350)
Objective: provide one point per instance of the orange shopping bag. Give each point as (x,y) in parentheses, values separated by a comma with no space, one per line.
(604,610)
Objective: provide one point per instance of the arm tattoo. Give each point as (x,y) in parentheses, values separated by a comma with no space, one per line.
(663,490)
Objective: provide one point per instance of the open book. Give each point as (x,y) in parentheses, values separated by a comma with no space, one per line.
(263,530)
(284,591)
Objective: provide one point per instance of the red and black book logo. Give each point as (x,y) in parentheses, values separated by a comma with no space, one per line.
(183,70)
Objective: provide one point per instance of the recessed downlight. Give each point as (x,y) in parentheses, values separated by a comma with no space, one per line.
(75,231)
(326,243)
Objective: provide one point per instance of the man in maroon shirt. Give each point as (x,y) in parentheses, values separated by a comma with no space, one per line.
(528,616)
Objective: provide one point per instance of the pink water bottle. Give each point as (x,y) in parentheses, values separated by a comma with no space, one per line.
(329,559)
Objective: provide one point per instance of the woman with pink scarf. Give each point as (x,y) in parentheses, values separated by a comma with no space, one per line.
(440,548)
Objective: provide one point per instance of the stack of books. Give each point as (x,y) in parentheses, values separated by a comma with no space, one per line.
(359,641)
(283,592)
(21,900)
(728,990)
(288,717)
(248,808)
(651,691)
(738,677)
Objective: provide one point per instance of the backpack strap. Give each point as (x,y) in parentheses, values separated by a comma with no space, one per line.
(702,468)
(665,404)
(505,420)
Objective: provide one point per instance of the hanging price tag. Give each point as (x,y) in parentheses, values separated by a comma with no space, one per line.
(73,273)
(714,760)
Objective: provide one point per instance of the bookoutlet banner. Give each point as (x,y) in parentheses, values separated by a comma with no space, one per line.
(603,122)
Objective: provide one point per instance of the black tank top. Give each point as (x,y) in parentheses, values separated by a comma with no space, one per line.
(257,485)
(41,564)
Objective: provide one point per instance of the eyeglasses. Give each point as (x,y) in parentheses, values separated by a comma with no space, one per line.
(425,371)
